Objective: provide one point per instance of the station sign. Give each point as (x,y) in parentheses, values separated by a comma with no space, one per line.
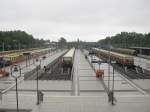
(15,71)
(94,61)
(92,52)
(111,62)
(27,53)
(99,62)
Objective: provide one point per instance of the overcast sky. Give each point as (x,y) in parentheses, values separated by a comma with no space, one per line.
(88,20)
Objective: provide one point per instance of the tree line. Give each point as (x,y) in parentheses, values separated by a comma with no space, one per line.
(126,40)
(10,40)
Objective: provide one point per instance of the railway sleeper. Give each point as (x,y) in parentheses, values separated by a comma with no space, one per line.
(131,72)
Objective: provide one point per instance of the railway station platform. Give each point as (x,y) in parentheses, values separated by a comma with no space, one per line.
(92,104)
(6,82)
(84,93)
(142,50)
(85,81)
(57,103)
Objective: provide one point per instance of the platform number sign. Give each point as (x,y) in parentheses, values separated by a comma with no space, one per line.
(113,62)
(15,71)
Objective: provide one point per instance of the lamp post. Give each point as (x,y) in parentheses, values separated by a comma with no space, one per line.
(109,68)
(113,88)
(16,73)
(113,62)
(38,66)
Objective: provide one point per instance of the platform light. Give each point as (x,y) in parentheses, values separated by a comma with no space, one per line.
(38,66)
(16,73)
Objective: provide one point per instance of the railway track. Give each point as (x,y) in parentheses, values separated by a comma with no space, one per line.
(128,79)
(131,73)
(53,71)
(55,75)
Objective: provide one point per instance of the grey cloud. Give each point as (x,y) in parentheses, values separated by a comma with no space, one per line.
(85,19)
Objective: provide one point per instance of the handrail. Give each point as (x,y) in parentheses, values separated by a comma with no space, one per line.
(72,73)
(9,88)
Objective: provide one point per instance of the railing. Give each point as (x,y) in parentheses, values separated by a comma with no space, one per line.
(72,77)
(72,86)
(75,80)
(9,88)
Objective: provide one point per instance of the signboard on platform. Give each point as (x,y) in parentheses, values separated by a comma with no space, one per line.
(113,62)
(15,71)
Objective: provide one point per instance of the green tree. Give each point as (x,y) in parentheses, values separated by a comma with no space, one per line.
(62,43)
(127,40)
(18,39)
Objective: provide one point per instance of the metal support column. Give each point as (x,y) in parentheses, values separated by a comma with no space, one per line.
(37,87)
(17,95)
(113,88)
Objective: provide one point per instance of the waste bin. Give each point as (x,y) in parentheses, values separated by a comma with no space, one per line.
(40,95)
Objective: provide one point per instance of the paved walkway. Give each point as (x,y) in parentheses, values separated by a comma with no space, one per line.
(85,80)
(92,104)
(45,85)
(76,103)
